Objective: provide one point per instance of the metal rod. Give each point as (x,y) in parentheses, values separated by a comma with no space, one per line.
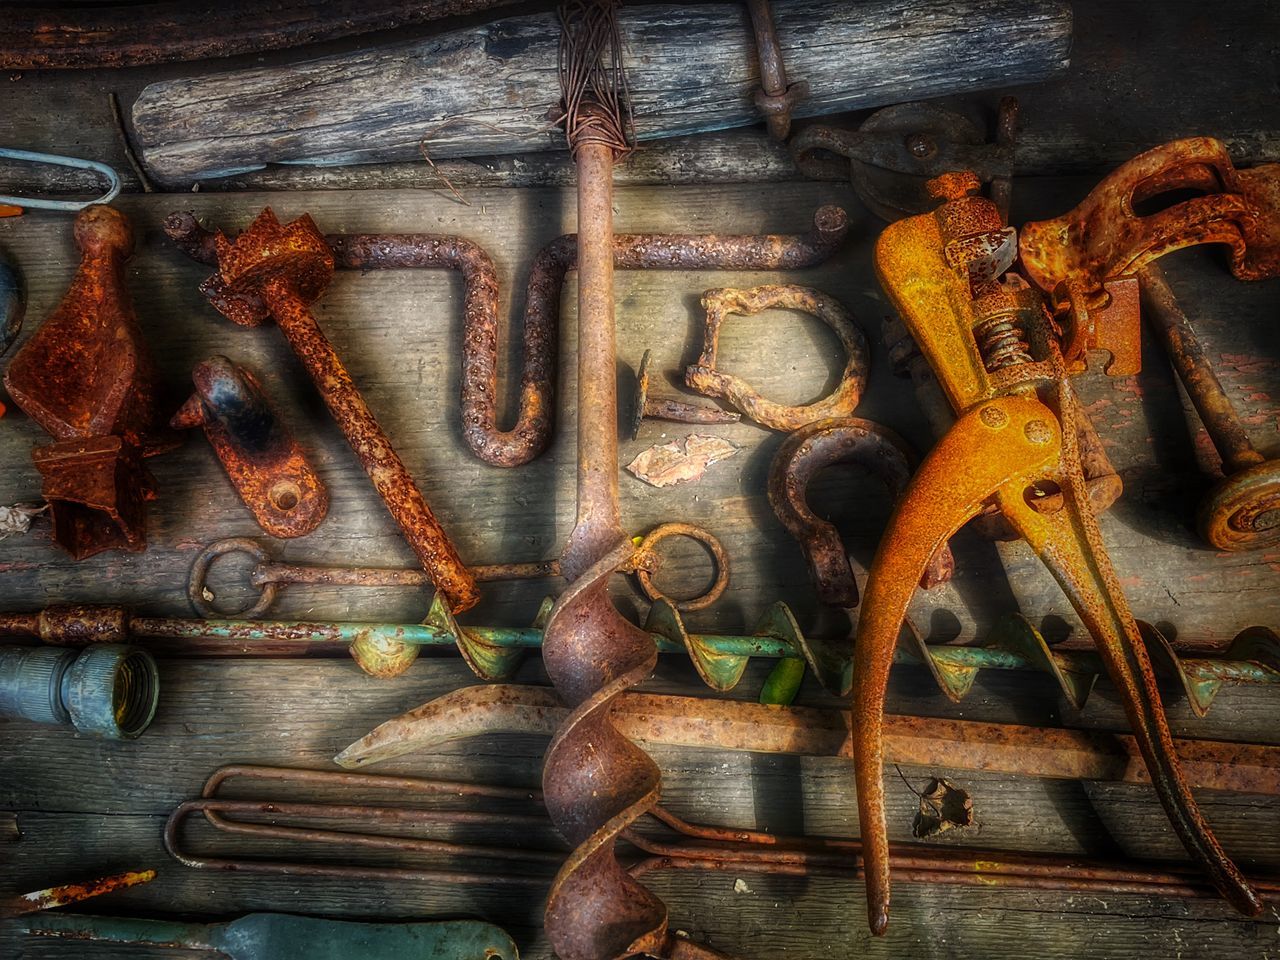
(685,845)
(929,742)
(1252,658)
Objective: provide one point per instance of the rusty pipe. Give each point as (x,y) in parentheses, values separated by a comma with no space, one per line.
(536,409)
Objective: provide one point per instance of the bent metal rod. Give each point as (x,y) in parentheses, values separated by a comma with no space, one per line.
(666,841)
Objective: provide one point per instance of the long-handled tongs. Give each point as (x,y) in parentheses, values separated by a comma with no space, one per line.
(994,345)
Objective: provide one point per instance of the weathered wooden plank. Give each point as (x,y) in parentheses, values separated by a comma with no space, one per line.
(486,89)
(1119,97)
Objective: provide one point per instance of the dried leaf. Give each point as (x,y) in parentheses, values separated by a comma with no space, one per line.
(17,519)
(943,806)
(680,460)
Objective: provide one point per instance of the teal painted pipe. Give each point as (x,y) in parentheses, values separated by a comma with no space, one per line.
(280,936)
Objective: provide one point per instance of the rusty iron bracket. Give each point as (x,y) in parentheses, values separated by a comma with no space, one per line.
(264,462)
(991,343)
(704,377)
(87,378)
(776,98)
(895,151)
(813,448)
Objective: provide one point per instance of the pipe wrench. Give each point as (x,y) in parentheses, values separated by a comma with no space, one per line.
(994,346)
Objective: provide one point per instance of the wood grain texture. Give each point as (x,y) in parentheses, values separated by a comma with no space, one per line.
(487,90)
(86,807)
(1141,74)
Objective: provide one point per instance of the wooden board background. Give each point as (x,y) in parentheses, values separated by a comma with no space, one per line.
(82,807)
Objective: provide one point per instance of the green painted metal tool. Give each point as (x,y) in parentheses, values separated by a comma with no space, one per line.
(282,936)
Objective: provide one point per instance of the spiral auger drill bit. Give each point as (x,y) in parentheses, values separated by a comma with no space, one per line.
(596,782)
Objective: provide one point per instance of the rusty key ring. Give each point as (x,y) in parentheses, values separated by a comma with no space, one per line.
(197,583)
(270,576)
(645,570)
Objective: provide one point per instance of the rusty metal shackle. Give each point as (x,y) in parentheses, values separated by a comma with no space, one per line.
(704,376)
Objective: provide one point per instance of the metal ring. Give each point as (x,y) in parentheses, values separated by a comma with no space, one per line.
(197,583)
(719,558)
(44,203)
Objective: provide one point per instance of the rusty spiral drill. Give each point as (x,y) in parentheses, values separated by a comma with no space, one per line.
(596,781)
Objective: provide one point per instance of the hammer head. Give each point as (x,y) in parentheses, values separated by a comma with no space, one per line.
(267,253)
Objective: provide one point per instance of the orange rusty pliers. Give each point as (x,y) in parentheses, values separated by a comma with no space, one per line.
(995,348)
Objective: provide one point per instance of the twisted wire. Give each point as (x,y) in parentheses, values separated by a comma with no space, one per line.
(593,84)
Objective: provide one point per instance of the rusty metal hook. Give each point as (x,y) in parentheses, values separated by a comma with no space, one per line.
(812,449)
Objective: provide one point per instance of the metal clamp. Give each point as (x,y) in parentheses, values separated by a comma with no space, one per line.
(722,303)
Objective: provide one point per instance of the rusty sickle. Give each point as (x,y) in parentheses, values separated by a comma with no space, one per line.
(989,339)
(813,448)
(266,466)
(535,418)
(277,271)
(87,378)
